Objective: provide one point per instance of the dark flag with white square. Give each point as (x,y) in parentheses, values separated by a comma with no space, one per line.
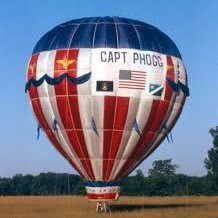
(104,86)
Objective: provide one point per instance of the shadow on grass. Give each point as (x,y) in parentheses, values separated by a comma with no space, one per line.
(133,207)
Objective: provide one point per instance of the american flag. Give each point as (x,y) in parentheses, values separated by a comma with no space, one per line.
(132,79)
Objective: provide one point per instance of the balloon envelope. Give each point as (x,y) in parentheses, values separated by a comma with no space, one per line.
(106,91)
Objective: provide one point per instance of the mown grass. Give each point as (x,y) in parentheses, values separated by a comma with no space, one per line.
(79,207)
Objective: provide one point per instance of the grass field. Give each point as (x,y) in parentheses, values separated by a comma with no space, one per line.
(78,207)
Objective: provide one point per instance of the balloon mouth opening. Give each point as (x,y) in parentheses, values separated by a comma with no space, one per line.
(102,191)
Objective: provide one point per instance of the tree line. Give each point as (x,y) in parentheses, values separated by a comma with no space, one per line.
(162,180)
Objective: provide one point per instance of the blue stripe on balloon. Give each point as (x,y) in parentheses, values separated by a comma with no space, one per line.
(101,183)
(107,32)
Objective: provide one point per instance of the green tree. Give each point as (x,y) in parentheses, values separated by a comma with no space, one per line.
(211,163)
(162,177)
(6,187)
(134,185)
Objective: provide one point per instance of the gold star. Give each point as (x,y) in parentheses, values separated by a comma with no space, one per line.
(170,67)
(65,63)
(31,68)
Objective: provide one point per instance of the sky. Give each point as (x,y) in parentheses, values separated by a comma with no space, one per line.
(192,25)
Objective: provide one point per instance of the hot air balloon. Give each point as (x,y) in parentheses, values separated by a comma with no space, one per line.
(106,91)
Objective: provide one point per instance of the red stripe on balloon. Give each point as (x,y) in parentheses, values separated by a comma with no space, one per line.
(121,112)
(31,74)
(59,69)
(72,70)
(161,114)
(102,197)
(106,149)
(170,75)
(116,139)
(109,111)
(64,111)
(74,109)
(68,107)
